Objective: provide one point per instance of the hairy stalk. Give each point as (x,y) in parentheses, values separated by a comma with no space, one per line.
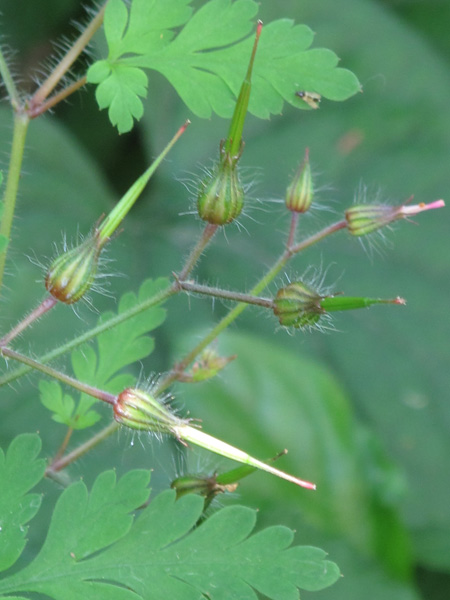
(239,308)
(56,98)
(47,304)
(8,82)
(189,286)
(21,122)
(196,252)
(63,462)
(82,387)
(67,61)
(161,296)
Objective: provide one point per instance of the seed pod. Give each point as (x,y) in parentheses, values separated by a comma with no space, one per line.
(221,196)
(365,218)
(297,305)
(71,274)
(139,410)
(299,194)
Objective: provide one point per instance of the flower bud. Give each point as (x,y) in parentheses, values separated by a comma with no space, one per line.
(221,196)
(297,305)
(299,195)
(71,275)
(138,410)
(365,218)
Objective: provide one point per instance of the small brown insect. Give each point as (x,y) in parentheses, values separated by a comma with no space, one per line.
(311,98)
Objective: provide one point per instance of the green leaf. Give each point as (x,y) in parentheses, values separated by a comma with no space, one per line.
(116,348)
(19,472)
(274,399)
(207,60)
(94,550)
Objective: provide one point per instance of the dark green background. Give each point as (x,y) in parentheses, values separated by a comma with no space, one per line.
(363,410)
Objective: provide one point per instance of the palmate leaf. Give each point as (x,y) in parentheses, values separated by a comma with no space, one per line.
(116,348)
(95,548)
(207,60)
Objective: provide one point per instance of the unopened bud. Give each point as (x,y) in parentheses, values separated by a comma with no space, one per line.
(298,305)
(71,275)
(221,196)
(299,195)
(365,218)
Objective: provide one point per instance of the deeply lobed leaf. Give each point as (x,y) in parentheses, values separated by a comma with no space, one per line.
(95,549)
(207,60)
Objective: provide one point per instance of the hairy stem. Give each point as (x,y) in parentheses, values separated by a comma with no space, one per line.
(189,286)
(8,82)
(37,110)
(43,307)
(196,252)
(92,333)
(63,462)
(239,308)
(67,61)
(82,387)
(21,122)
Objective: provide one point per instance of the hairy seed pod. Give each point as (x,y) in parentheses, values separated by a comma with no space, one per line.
(297,305)
(71,274)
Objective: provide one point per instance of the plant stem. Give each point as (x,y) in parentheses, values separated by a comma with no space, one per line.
(43,307)
(67,61)
(196,252)
(291,238)
(239,308)
(56,98)
(63,462)
(170,290)
(8,82)
(21,122)
(225,294)
(82,387)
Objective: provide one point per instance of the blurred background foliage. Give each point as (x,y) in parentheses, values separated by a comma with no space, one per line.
(364,410)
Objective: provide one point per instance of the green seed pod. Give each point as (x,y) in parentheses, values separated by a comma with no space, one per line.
(221,196)
(297,305)
(365,218)
(139,410)
(71,275)
(299,195)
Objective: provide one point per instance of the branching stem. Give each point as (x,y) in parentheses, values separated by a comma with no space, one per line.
(47,304)
(66,62)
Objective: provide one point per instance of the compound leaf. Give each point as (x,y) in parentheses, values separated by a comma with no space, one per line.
(95,550)
(19,472)
(207,60)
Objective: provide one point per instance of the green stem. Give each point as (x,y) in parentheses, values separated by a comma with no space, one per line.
(8,82)
(239,308)
(21,122)
(189,286)
(56,98)
(196,252)
(66,460)
(89,335)
(67,61)
(82,387)
(47,304)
